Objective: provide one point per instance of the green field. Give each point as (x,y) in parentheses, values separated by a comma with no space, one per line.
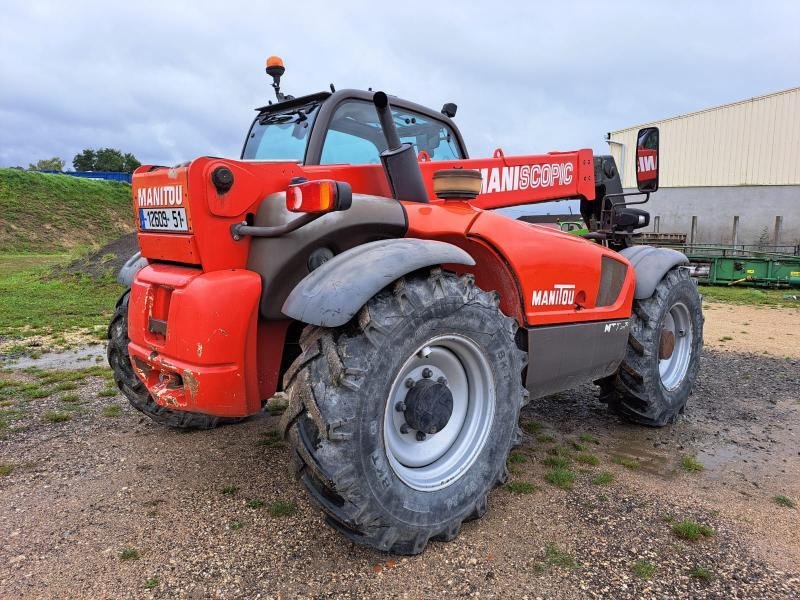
(46,221)
(43,213)
(749,295)
(57,311)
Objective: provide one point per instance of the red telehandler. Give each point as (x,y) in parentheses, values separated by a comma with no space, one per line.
(352,260)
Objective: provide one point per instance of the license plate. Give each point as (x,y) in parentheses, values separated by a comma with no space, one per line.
(163,219)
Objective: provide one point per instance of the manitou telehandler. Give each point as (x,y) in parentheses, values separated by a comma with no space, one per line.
(351,259)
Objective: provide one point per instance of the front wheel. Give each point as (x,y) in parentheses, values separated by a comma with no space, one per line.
(401,421)
(661,364)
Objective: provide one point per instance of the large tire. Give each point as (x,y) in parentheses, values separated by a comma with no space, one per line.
(661,364)
(343,415)
(132,387)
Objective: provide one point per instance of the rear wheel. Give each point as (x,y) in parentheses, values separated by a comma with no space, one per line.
(132,387)
(402,420)
(660,367)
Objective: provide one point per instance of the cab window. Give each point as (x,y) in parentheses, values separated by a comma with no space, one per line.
(354,135)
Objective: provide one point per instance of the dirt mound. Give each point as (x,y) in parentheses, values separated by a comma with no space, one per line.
(108,258)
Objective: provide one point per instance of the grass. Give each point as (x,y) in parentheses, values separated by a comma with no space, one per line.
(33,301)
(691,465)
(543,438)
(643,569)
(784,501)
(555,557)
(588,438)
(112,411)
(532,427)
(8,416)
(277,407)
(151,583)
(64,386)
(6,469)
(77,211)
(70,397)
(270,438)
(517,458)
(108,391)
(129,554)
(236,525)
(604,478)
(282,508)
(587,458)
(557,461)
(701,573)
(560,478)
(255,503)
(689,530)
(36,392)
(521,487)
(628,463)
(229,490)
(746,295)
(55,416)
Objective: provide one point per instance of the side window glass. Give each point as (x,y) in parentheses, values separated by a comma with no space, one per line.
(344,148)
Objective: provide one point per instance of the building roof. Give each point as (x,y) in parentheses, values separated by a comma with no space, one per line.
(749,142)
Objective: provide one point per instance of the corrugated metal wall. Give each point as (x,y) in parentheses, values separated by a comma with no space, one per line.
(753,142)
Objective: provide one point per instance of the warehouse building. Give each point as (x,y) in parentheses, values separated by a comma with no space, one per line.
(728,175)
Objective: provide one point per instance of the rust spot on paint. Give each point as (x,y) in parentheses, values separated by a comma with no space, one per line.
(191,383)
(199,350)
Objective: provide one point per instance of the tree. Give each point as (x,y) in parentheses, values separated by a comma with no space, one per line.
(130,163)
(48,164)
(105,159)
(84,161)
(109,159)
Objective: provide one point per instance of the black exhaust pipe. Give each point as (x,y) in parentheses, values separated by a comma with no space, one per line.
(399,160)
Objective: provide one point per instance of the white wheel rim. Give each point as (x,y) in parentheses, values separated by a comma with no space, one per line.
(672,369)
(442,458)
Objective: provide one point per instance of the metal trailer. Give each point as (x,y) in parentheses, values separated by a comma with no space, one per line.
(763,266)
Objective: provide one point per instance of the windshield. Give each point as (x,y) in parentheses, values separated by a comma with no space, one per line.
(281,135)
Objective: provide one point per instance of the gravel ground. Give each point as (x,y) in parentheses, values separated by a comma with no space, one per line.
(109,505)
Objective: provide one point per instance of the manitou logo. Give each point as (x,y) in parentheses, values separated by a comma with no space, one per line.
(165,195)
(523,177)
(562,294)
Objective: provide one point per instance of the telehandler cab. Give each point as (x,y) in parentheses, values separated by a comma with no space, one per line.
(351,259)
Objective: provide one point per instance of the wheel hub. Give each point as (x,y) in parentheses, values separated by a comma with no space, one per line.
(429,405)
(439,412)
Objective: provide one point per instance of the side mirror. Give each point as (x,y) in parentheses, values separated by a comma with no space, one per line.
(647,159)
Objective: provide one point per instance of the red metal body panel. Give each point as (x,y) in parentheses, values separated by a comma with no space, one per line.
(229,362)
(525,258)
(210,340)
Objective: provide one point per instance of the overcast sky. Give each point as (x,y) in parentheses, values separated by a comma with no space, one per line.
(170,81)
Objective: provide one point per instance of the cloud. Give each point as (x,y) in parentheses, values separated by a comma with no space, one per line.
(172,80)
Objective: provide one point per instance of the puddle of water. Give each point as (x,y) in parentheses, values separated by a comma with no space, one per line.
(650,460)
(73,359)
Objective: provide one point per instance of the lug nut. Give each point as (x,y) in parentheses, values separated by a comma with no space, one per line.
(410,382)
(400,407)
(404,428)
(421,436)
(427,373)
(442,380)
